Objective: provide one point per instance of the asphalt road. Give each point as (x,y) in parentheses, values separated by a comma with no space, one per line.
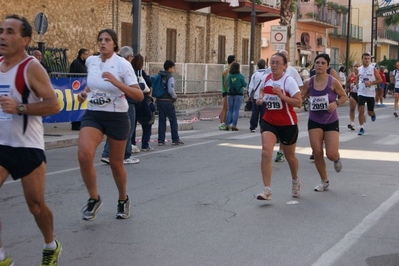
(195,204)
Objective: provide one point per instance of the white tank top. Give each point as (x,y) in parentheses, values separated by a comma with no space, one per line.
(366,74)
(12,130)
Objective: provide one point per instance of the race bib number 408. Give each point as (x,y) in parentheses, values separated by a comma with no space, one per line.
(319,103)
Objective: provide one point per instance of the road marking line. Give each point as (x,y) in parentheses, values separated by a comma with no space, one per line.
(352,237)
(344,153)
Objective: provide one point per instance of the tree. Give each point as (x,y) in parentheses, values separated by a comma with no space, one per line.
(392,21)
(287,9)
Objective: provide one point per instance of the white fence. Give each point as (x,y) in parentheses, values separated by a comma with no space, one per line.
(196,78)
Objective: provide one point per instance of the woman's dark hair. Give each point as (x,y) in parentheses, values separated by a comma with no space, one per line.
(113,35)
(26,28)
(341,69)
(325,56)
(81,51)
(234,68)
(285,60)
(138,62)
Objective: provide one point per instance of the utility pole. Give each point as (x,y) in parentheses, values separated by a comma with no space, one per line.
(348,33)
(136,12)
(252,45)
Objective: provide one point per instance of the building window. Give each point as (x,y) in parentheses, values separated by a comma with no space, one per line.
(245,49)
(334,63)
(171,44)
(127,32)
(221,49)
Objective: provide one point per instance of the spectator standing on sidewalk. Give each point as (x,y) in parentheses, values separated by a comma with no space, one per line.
(235,94)
(166,106)
(230,60)
(323,125)
(143,118)
(78,66)
(22,105)
(39,56)
(110,77)
(127,53)
(255,85)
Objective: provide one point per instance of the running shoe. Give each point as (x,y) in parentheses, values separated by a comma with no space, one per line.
(131,160)
(105,160)
(279,157)
(161,143)
(135,149)
(252,130)
(265,195)
(123,211)
(338,166)
(395,114)
(148,149)
(222,127)
(373,117)
(361,131)
(296,188)
(7,261)
(177,142)
(50,256)
(351,127)
(92,207)
(322,186)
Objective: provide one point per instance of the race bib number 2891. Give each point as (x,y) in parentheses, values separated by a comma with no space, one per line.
(319,103)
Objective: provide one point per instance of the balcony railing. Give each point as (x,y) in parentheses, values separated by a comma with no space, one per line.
(355,31)
(323,14)
(388,34)
(269,3)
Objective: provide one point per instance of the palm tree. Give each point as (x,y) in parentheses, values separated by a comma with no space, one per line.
(391,20)
(287,9)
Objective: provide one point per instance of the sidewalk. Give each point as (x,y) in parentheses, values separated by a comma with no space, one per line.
(60,135)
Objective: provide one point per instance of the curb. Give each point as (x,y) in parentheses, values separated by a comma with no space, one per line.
(61,140)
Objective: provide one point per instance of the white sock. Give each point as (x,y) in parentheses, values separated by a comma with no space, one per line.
(2,254)
(51,245)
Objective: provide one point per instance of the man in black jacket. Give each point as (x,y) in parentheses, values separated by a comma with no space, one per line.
(78,65)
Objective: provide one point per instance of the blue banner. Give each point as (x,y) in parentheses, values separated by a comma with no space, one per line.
(67,90)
